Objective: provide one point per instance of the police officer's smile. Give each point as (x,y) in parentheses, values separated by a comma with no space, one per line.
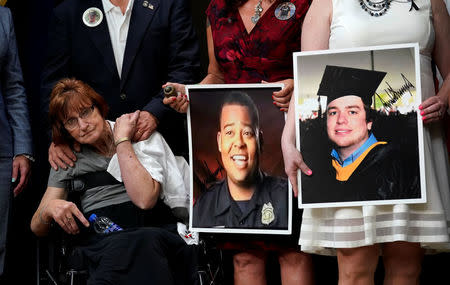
(237,144)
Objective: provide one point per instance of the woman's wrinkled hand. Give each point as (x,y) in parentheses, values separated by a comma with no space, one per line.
(179,103)
(433,109)
(64,213)
(125,126)
(281,98)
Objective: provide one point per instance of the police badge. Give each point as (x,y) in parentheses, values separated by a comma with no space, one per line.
(267,214)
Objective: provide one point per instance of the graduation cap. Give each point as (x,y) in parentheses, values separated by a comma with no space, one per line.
(339,81)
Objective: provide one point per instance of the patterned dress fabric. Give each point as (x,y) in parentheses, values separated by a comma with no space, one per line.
(263,54)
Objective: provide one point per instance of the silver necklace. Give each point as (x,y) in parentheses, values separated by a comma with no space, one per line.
(375,8)
(380,7)
(258,10)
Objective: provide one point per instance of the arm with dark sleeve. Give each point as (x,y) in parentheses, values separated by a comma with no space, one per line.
(15,96)
(57,61)
(183,59)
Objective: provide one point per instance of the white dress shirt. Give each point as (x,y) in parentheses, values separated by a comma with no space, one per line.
(118,25)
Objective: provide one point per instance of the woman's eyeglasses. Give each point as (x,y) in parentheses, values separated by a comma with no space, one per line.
(72,123)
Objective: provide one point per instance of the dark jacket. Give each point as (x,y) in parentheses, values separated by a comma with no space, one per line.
(161,46)
(385,174)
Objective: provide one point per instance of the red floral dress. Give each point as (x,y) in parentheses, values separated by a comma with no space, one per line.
(263,54)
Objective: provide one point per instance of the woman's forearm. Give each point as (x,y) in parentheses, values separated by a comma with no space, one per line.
(288,136)
(142,189)
(444,91)
(40,223)
(41,220)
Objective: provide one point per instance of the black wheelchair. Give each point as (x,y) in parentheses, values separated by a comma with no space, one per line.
(60,263)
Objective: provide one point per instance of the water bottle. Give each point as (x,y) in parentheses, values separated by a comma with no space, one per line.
(103,225)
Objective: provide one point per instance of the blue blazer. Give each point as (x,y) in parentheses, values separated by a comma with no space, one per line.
(15,131)
(161,46)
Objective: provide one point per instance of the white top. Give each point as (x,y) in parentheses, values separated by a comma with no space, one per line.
(172,172)
(118,25)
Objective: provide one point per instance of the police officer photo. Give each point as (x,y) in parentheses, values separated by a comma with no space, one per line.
(360,167)
(247,197)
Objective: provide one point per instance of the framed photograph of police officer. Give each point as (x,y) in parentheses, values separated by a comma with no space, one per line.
(237,173)
(358,127)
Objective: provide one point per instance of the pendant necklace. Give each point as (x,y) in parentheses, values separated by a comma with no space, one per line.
(379,7)
(258,11)
(375,8)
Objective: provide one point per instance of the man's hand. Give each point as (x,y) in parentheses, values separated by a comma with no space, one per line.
(146,125)
(62,155)
(21,167)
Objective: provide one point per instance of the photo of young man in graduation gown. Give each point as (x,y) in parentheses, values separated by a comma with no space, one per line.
(359,167)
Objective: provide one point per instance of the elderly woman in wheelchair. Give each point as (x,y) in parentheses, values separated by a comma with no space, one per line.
(141,182)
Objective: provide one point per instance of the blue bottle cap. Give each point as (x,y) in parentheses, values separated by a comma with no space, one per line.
(92,217)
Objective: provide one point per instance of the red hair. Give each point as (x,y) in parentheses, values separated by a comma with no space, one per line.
(71,95)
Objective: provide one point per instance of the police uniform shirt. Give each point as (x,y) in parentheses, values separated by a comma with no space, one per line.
(268,207)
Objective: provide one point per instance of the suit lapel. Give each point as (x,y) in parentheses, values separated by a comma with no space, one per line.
(141,17)
(99,35)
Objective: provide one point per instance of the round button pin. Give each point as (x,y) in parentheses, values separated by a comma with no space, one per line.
(285,11)
(92,17)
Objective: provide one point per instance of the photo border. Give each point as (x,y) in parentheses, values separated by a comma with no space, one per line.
(288,231)
(418,99)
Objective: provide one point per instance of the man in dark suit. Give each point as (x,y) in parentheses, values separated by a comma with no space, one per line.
(15,145)
(125,50)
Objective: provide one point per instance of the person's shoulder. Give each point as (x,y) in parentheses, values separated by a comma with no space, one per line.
(57,178)
(275,182)
(67,7)
(216,7)
(214,189)
(274,186)
(210,194)
(4,10)
(387,149)
(301,7)
(66,4)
